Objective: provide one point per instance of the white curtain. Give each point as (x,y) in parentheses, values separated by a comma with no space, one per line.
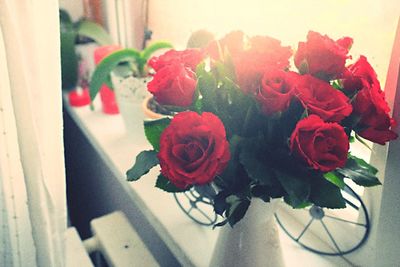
(32,178)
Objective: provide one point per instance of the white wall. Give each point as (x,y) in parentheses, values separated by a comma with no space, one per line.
(371,23)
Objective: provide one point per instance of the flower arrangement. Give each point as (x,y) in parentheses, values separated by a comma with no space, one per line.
(250,127)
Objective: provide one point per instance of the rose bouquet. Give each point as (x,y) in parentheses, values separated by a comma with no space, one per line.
(248,126)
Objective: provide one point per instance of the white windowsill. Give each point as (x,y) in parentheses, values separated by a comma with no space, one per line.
(191,243)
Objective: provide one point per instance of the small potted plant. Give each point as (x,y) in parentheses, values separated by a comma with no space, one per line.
(126,71)
(74,36)
(196,43)
(78,40)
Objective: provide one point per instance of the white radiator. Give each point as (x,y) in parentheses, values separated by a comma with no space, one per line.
(114,238)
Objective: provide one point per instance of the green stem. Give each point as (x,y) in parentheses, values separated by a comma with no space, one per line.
(249,115)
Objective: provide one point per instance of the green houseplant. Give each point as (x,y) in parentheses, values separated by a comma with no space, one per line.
(126,62)
(126,71)
(71,35)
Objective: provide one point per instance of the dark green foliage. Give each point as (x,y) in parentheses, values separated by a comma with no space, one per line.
(143,164)
(164,184)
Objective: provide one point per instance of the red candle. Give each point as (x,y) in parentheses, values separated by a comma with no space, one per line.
(107,96)
(79,97)
(109,104)
(103,51)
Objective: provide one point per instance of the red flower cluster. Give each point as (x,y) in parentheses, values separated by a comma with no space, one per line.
(369,104)
(251,57)
(194,148)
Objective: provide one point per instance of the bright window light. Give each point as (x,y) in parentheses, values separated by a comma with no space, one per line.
(371,23)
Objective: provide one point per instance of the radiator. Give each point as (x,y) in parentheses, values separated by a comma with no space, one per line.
(113,237)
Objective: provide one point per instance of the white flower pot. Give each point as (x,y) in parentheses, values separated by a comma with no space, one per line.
(130,93)
(252,242)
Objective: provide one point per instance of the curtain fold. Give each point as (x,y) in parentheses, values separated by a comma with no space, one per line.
(31,154)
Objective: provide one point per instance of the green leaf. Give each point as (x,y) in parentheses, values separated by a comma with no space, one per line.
(261,191)
(237,209)
(164,184)
(255,166)
(69,60)
(220,224)
(219,203)
(145,160)
(296,205)
(335,179)
(360,172)
(153,130)
(362,163)
(198,105)
(147,52)
(298,188)
(326,194)
(206,85)
(151,49)
(107,65)
(231,178)
(206,190)
(226,68)
(64,17)
(303,68)
(109,83)
(336,85)
(95,32)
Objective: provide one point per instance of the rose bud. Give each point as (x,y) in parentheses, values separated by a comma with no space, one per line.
(321,145)
(320,98)
(193,149)
(174,84)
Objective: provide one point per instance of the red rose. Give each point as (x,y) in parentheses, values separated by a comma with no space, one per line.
(323,56)
(360,75)
(345,42)
(233,43)
(189,57)
(174,85)
(249,72)
(264,53)
(320,98)
(271,52)
(323,146)
(193,149)
(375,122)
(276,90)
